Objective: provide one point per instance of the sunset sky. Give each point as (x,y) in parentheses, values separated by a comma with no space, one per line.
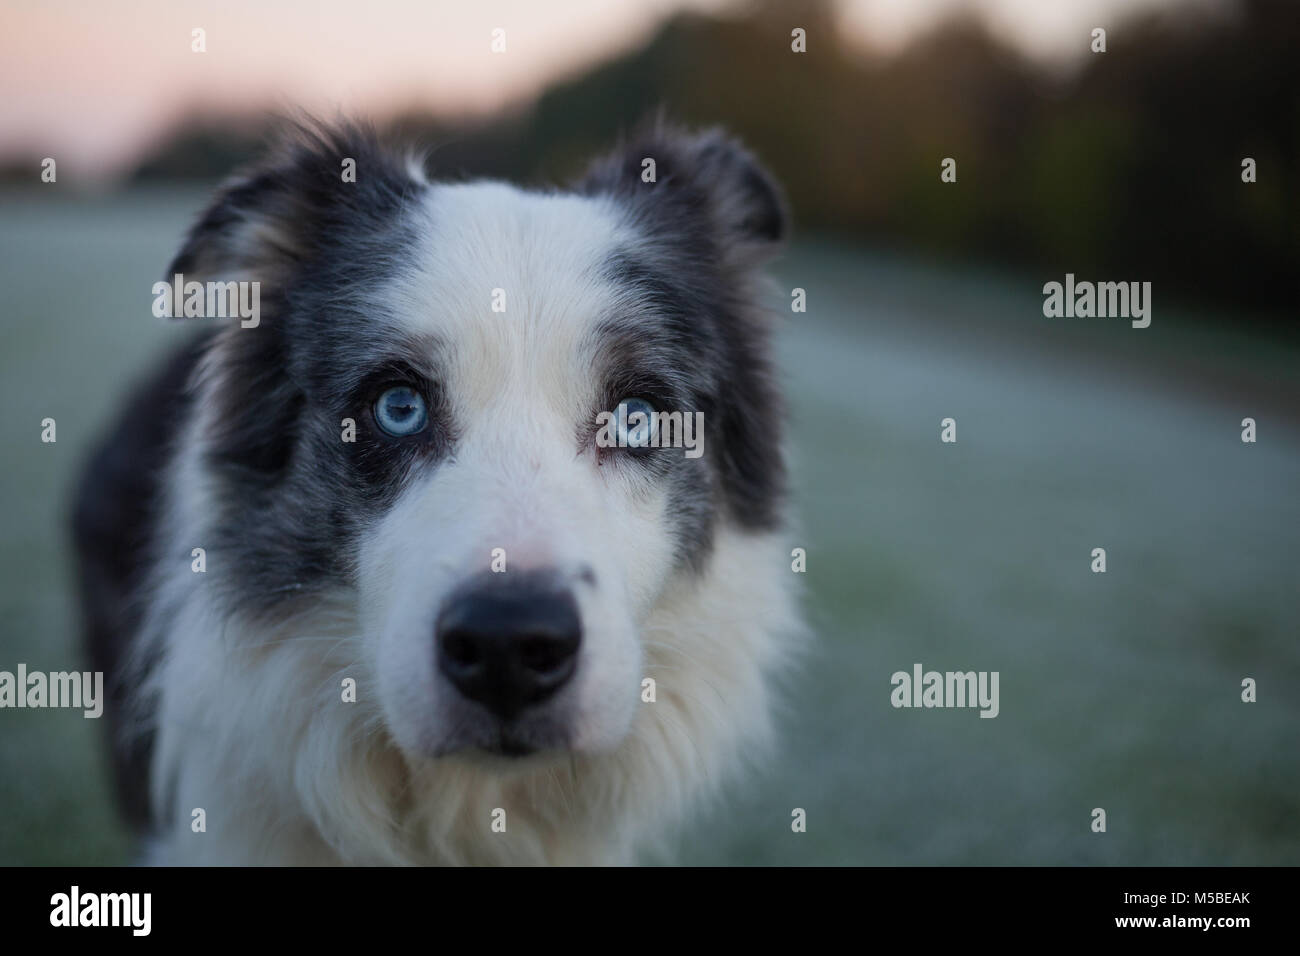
(97,82)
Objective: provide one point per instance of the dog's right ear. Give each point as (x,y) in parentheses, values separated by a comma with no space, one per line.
(280,214)
(705,184)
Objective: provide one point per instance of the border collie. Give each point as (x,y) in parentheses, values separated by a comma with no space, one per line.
(366,582)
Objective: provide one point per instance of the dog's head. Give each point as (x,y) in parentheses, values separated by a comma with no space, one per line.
(445,412)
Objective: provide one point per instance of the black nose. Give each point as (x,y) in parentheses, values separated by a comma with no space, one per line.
(510,641)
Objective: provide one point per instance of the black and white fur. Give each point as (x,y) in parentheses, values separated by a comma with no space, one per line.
(328,560)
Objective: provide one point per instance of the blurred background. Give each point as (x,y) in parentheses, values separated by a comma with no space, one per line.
(1118,690)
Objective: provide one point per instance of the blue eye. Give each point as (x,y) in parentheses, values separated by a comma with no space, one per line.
(635,418)
(400,411)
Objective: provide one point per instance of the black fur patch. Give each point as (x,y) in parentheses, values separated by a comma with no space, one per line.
(292,495)
(114,517)
(710,219)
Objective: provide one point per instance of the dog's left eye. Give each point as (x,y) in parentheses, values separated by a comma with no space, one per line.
(400,411)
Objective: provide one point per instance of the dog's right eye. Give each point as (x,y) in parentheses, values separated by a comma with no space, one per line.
(635,422)
(400,411)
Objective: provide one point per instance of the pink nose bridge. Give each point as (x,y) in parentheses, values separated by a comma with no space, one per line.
(530,519)
(523,485)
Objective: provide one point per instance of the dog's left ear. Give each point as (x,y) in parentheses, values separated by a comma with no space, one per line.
(319,182)
(682,182)
(326,202)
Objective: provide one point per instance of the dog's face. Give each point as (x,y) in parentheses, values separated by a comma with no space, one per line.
(436,417)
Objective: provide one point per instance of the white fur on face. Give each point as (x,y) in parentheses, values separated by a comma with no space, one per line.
(521,385)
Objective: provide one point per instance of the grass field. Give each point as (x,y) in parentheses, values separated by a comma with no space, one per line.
(1118,690)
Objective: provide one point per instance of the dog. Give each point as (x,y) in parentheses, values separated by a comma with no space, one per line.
(366,583)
